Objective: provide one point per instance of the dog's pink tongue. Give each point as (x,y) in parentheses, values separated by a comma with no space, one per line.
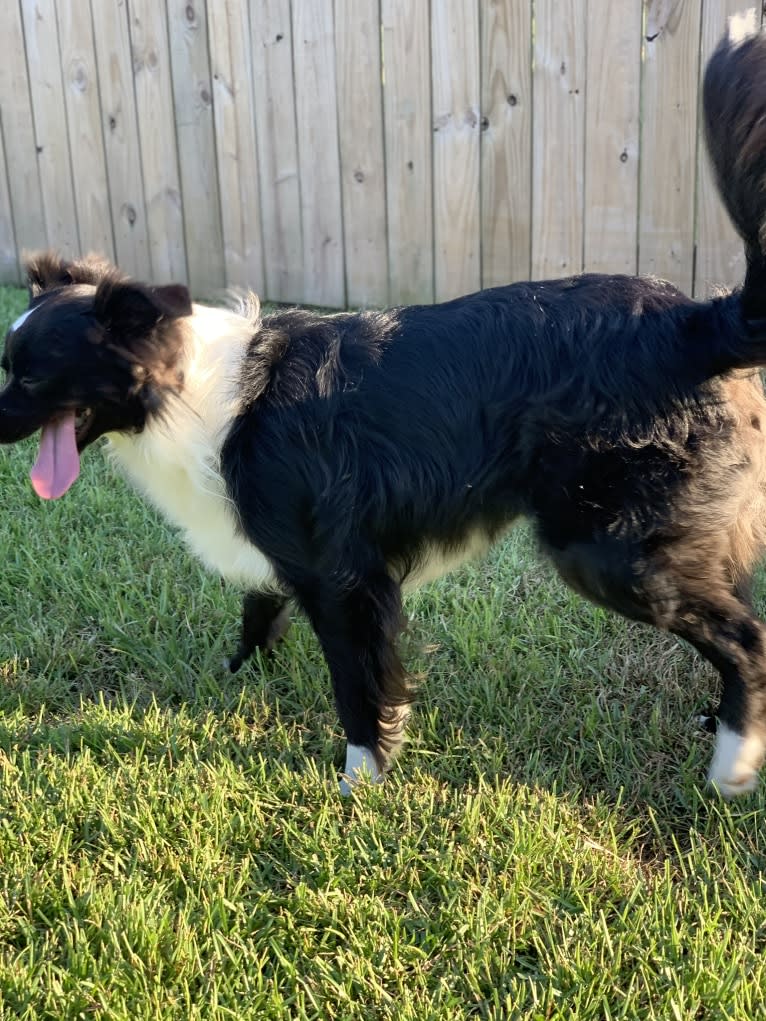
(58,463)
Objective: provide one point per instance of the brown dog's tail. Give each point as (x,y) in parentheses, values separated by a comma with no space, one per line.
(734,105)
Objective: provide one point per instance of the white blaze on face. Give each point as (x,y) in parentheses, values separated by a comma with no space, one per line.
(23,318)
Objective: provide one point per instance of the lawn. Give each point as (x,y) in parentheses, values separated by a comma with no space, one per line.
(174,847)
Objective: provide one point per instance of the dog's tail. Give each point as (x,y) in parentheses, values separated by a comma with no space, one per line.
(734,105)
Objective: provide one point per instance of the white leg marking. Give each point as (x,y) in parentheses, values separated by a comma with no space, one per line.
(736,761)
(360,765)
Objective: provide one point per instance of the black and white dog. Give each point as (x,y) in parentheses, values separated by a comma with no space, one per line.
(330,460)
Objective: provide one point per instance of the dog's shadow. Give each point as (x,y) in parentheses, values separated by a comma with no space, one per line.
(614,744)
(519,681)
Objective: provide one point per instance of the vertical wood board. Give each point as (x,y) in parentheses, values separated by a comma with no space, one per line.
(157,139)
(409,160)
(9,266)
(612,98)
(316,117)
(274,99)
(506,141)
(120,132)
(360,124)
(50,120)
(236,147)
(456,129)
(193,97)
(558,139)
(19,134)
(86,141)
(669,141)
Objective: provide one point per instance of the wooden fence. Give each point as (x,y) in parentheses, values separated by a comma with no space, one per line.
(362,152)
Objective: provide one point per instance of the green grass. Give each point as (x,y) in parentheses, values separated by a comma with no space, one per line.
(173,846)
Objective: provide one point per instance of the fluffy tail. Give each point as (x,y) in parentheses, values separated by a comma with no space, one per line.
(734,104)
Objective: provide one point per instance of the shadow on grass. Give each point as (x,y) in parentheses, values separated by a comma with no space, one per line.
(522,682)
(595,760)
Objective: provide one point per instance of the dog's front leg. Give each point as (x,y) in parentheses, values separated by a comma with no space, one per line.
(265,619)
(358,627)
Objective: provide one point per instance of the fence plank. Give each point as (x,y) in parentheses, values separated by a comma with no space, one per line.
(274,96)
(49,111)
(559,136)
(157,137)
(613,87)
(120,134)
(236,148)
(456,128)
(193,95)
(409,164)
(506,142)
(316,119)
(720,253)
(19,135)
(86,143)
(9,266)
(668,142)
(360,123)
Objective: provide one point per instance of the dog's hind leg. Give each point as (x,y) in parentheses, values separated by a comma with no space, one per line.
(743,590)
(712,613)
(265,618)
(358,626)
(728,634)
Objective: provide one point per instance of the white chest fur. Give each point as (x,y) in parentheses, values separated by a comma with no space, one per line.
(175,461)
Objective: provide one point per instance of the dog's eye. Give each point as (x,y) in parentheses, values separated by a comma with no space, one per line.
(32,385)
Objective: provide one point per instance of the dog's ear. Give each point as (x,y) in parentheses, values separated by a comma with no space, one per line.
(130,309)
(47,270)
(138,321)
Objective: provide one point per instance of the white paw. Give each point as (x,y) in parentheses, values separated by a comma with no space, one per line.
(736,761)
(360,767)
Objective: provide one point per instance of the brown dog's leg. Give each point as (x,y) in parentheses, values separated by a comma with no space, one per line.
(728,634)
